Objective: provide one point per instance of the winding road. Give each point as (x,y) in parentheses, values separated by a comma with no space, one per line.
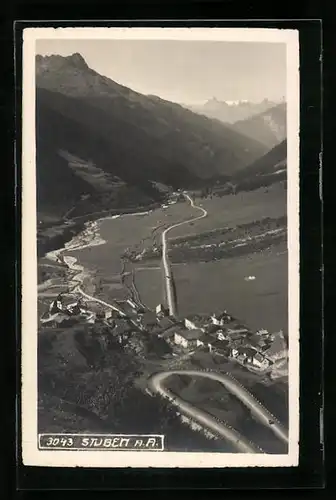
(220,428)
(265,417)
(156,381)
(168,274)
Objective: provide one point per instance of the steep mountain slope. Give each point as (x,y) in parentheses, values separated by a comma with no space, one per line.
(268,127)
(232,112)
(99,140)
(269,169)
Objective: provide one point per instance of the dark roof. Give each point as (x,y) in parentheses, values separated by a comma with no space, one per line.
(254,338)
(235,329)
(212,328)
(220,344)
(165,322)
(259,357)
(149,318)
(246,350)
(254,342)
(128,309)
(206,338)
(122,325)
(198,318)
(191,334)
(222,315)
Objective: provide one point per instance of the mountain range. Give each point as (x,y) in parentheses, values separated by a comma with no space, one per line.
(264,121)
(102,145)
(268,127)
(231,112)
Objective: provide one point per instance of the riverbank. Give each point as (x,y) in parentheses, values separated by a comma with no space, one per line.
(87,238)
(56,234)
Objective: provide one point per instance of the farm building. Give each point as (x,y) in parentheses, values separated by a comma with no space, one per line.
(204,341)
(221,319)
(188,338)
(260,361)
(197,321)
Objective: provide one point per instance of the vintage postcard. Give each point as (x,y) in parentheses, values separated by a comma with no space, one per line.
(160,247)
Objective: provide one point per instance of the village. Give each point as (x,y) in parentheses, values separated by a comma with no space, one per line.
(219,334)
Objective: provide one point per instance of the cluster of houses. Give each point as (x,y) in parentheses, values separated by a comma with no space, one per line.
(61,313)
(221,333)
(224,335)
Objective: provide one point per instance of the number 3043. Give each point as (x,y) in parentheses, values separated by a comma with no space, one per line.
(59,441)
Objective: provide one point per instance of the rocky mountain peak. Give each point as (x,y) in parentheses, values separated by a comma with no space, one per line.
(77,60)
(56,62)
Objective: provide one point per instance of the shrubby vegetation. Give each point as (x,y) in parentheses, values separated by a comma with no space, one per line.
(86,376)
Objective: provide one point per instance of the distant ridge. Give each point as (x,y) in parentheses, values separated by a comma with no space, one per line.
(230,112)
(269,169)
(100,144)
(269,127)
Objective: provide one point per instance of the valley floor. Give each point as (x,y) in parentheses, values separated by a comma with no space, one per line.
(201,288)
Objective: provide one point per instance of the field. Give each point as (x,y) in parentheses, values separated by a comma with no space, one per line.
(237,209)
(129,231)
(215,286)
(203,287)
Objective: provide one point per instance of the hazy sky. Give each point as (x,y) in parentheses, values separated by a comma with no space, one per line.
(184,71)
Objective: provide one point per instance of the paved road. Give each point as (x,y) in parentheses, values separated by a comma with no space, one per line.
(264,416)
(220,428)
(168,275)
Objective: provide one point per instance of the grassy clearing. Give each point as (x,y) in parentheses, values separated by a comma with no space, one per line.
(236,209)
(215,286)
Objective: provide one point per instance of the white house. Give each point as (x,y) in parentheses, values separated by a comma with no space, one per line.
(220,335)
(188,338)
(56,305)
(112,313)
(260,361)
(221,319)
(205,341)
(196,322)
(161,310)
(262,331)
(243,353)
(234,352)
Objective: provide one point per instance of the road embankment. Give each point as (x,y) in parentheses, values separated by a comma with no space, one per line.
(220,428)
(264,416)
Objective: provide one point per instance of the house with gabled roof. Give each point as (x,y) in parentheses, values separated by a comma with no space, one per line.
(188,338)
(197,321)
(221,319)
(260,361)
